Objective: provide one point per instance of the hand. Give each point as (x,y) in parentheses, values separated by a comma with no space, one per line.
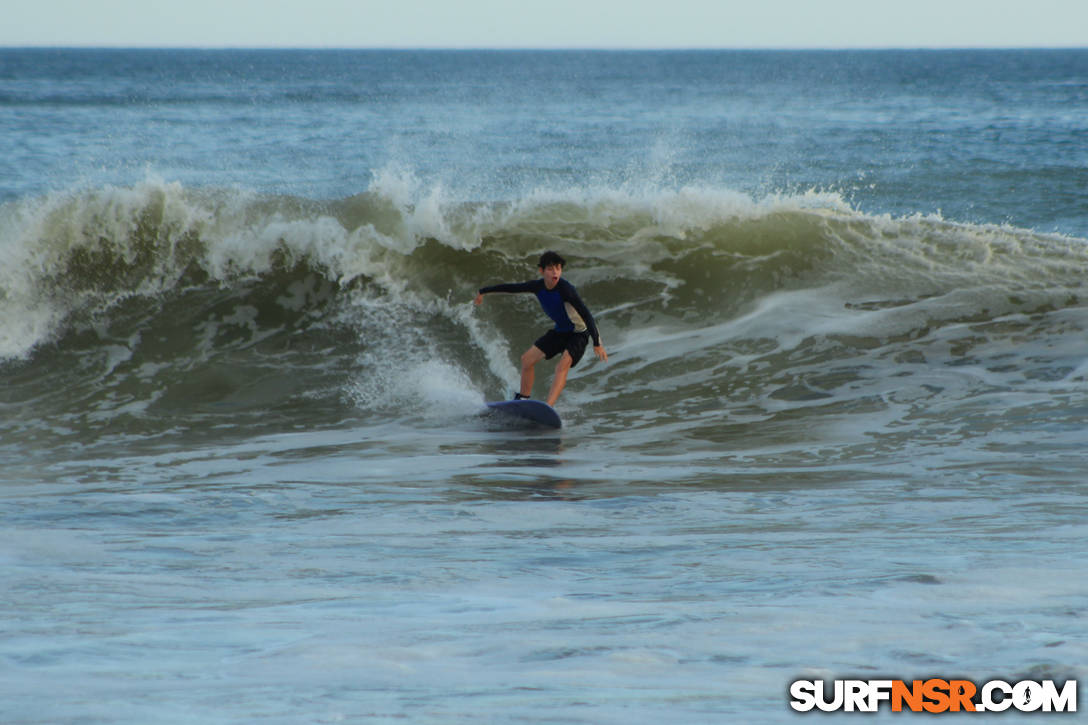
(479,299)
(599,349)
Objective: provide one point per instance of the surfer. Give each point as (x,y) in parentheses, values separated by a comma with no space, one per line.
(574,325)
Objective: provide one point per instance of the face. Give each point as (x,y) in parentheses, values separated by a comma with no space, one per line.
(551,274)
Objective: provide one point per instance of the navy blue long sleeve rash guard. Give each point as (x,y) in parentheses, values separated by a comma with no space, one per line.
(561,303)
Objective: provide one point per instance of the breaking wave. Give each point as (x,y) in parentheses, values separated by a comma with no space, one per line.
(156,300)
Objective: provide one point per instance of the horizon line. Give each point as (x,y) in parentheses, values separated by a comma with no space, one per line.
(541,48)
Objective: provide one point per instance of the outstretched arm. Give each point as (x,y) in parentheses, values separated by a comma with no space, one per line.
(509,287)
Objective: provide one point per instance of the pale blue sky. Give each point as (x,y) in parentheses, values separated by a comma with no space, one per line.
(548,23)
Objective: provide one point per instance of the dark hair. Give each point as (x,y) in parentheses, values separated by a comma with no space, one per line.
(549,258)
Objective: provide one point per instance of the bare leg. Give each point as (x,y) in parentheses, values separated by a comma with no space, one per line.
(528,360)
(560,379)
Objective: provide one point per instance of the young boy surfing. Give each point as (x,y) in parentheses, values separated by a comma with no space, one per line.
(574,325)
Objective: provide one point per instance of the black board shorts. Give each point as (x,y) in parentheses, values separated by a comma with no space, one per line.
(553,343)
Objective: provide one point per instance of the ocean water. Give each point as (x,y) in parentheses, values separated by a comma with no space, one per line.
(842,430)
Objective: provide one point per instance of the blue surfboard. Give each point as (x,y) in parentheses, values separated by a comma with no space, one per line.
(532,411)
